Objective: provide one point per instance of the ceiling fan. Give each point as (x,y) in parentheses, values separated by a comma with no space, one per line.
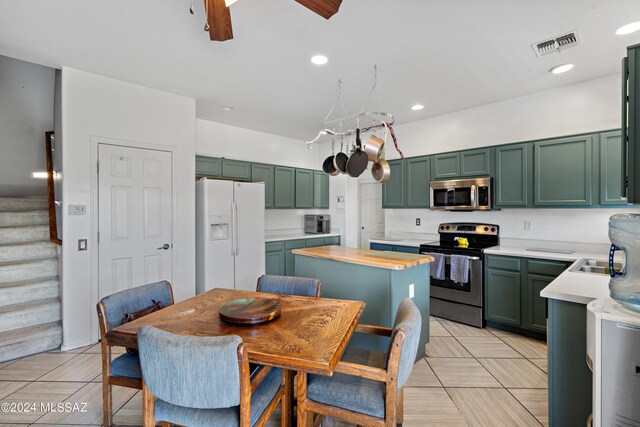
(219,16)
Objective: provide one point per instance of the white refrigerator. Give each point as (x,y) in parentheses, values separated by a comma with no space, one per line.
(229,234)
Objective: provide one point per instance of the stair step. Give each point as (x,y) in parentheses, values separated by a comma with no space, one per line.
(28,314)
(27,251)
(16,204)
(31,340)
(13,219)
(30,233)
(31,290)
(29,270)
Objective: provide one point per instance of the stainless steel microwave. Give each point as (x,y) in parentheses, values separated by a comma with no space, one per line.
(472,194)
(317,224)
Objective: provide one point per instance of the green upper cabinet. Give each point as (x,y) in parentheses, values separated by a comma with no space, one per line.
(417,182)
(320,190)
(475,162)
(236,169)
(611,169)
(393,190)
(563,172)
(284,191)
(264,173)
(208,167)
(513,181)
(304,188)
(445,166)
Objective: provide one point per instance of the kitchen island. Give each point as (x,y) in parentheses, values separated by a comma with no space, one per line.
(379,278)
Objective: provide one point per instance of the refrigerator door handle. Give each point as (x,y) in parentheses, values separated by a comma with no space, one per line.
(236,230)
(233,229)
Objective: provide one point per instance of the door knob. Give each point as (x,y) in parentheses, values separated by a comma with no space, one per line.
(164,247)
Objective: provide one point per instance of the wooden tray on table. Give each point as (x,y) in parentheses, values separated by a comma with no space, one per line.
(250,311)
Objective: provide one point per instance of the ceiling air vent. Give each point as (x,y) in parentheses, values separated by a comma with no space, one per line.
(557,44)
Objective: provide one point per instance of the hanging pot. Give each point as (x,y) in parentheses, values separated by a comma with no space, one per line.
(340,159)
(374,148)
(380,171)
(328,166)
(358,161)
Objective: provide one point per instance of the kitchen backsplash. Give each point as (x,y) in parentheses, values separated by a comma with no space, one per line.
(291,221)
(566,225)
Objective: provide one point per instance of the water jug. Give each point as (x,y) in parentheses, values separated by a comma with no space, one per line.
(624,233)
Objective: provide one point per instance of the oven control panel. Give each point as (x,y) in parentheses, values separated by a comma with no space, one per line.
(469,228)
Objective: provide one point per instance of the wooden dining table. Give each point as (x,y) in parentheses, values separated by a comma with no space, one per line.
(310,335)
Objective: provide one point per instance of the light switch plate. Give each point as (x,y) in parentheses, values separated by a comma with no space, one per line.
(77,209)
(411,290)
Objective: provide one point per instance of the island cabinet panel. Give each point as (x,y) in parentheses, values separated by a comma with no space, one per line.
(235,169)
(380,288)
(475,162)
(393,191)
(611,173)
(284,187)
(418,175)
(502,294)
(274,258)
(563,172)
(208,167)
(513,180)
(445,166)
(304,188)
(570,380)
(265,173)
(320,190)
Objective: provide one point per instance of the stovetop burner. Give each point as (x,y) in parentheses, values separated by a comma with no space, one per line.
(479,236)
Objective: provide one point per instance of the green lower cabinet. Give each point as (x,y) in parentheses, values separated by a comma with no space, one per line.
(512,291)
(502,296)
(290,259)
(312,243)
(563,172)
(304,188)
(514,176)
(333,240)
(320,190)
(274,258)
(208,167)
(264,173)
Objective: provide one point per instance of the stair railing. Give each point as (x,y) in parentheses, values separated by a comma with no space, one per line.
(53,224)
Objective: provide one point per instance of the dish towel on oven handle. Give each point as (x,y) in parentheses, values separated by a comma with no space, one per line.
(459,268)
(437,267)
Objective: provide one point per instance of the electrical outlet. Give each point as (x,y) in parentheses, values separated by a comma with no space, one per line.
(417,221)
(527,225)
(411,290)
(82,244)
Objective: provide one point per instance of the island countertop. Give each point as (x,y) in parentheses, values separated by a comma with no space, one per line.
(379,259)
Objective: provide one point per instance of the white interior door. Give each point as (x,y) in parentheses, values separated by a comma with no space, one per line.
(371,213)
(134,217)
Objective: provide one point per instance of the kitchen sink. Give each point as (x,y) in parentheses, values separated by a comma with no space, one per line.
(594,266)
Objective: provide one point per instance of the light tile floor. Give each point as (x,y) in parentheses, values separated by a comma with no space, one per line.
(470,377)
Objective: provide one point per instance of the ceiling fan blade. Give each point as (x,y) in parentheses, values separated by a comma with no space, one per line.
(324,8)
(219,20)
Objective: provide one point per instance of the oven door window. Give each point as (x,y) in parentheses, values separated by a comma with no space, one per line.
(450,284)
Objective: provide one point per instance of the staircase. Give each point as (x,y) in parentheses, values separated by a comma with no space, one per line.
(29,286)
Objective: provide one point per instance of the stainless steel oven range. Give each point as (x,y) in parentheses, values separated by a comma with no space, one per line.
(457,300)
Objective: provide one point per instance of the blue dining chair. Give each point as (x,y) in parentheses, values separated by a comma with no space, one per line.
(204,381)
(124,370)
(361,393)
(287,285)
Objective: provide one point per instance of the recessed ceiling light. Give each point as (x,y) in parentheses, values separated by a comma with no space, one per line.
(559,69)
(227,108)
(628,29)
(319,59)
(417,107)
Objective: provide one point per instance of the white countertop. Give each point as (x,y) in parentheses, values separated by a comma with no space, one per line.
(527,249)
(401,242)
(578,287)
(281,237)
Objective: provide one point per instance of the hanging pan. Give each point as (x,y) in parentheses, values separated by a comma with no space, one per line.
(381,171)
(374,148)
(327,165)
(358,161)
(340,159)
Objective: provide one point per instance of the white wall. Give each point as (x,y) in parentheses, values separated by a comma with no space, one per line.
(589,106)
(26,113)
(220,140)
(95,107)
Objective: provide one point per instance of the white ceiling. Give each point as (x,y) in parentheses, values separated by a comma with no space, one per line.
(447,55)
